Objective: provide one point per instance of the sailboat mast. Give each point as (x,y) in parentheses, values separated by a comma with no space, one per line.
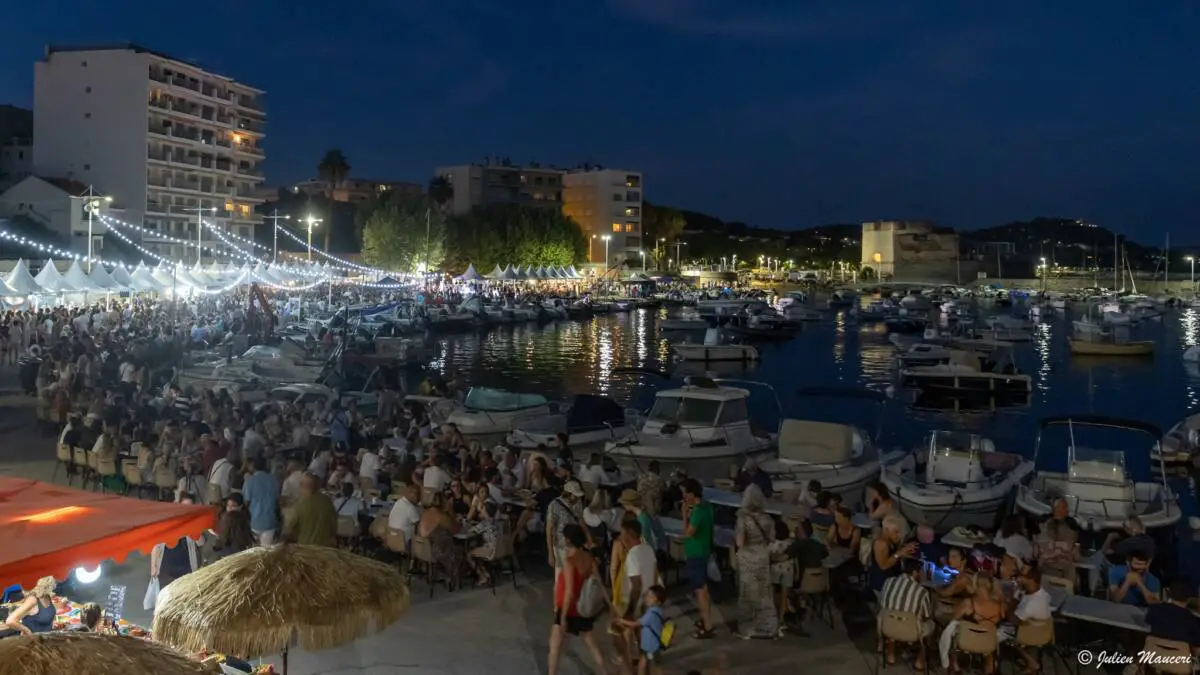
(1116,261)
(1167,263)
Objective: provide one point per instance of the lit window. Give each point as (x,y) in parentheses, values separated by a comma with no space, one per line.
(629,227)
(877,258)
(616,227)
(228,206)
(244,208)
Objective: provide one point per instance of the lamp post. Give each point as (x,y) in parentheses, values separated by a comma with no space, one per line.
(643,254)
(592,248)
(607,238)
(275,218)
(1044,272)
(199,211)
(92,203)
(1192,260)
(312,222)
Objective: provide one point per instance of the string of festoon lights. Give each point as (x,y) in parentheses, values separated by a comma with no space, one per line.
(327,256)
(115,225)
(54,251)
(178,265)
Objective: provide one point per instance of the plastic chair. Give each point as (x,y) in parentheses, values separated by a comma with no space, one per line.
(814,585)
(65,459)
(1178,655)
(1036,635)
(902,627)
(505,552)
(106,467)
(422,551)
(394,541)
(133,477)
(82,466)
(975,639)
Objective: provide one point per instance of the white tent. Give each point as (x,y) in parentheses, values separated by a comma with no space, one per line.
(105,281)
(469,275)
(540,272)
(121,277)
(169,277)
(496,273)
(80,280)
(215,270)
(529,273)
(51,280)
(573,273)
(143,280)
(19,279)
(197,272)
(512,273)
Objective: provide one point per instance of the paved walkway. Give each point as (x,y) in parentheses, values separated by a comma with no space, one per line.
(467,632)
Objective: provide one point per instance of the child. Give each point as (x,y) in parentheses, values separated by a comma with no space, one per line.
(655,630)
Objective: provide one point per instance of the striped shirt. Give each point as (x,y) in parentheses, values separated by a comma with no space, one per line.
(902,593)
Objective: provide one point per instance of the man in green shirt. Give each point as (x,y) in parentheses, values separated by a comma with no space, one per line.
(697,548)
(314,520)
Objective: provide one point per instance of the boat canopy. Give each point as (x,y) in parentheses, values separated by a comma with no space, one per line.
(590,411)
(487,399)
(819,442)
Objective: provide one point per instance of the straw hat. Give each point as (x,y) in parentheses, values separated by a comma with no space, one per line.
(251,603)
(630,498)
(82,653)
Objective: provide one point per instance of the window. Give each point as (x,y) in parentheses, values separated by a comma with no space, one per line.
(244,208)
(629,227)
(633,242)
(87,90)
(87,167)
(633,181)
(616,227)
(617,197)
(633,211)
(877,258)
(633,196)
(83,64)
(228,206)
(87,116)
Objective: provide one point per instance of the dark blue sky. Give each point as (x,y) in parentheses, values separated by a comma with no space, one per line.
(784,113)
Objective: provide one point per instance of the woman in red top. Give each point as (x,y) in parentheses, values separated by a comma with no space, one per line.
(579,566)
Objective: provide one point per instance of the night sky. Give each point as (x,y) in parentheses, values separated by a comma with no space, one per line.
(785,113)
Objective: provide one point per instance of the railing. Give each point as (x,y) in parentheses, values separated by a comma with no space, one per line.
(1111,508)
(250,172)
(716,436)
(249,149)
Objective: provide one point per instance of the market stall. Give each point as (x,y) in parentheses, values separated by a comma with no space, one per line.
(61,532)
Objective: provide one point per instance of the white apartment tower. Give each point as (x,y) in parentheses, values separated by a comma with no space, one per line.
(162,137)
(607,204)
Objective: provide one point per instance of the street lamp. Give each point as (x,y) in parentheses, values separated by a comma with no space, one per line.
(643,254)
(312,222)
(199,211)
(1192,260)
(606,239)
(90,206)
(275,218)
(1044,272)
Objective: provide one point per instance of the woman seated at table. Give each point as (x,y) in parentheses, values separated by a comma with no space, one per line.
(439,527)
(457,499)
(539,475)
(887,551)
(879,502)
(477,509)
(488,530)
(821,517)
(844,534)
(983,609)
(962,581)
(36,613)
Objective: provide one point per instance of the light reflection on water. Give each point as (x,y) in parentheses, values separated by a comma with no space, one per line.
(584,357)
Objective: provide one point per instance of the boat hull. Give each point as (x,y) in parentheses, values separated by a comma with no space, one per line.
(1088,348)
(716,352)
(492,422)
(701,461)
(849,482)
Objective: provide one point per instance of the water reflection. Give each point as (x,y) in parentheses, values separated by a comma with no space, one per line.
(1041,345)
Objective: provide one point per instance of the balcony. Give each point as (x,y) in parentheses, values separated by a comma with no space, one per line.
(248,149)
(246,171)
(249,103)
(160,129)
(251,126)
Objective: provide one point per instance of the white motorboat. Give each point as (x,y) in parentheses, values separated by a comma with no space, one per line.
(700,427)
(970,373)
(1097,485)
(713,350)
(1181,443)
(726,305)
(954,480)
(486,411)
(683,324)
(844,458)
(589,421)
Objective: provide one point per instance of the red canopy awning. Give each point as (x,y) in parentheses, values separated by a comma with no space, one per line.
(49,530)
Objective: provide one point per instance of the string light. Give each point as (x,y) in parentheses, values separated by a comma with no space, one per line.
(323,254)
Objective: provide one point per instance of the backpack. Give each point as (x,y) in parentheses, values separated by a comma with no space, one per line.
(668,632)
(593,597)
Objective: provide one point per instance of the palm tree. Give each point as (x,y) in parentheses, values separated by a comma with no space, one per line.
(333,169)
(440,191)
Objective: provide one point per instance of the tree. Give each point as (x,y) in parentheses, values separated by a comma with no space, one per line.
(507,234)
(333,169)
(440,191)
(661,225)
(405,234)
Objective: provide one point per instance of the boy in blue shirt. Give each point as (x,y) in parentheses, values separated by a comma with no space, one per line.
(1132,583)
(655,632)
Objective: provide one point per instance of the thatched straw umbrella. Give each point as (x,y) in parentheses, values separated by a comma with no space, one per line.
(253,602)
(81,653)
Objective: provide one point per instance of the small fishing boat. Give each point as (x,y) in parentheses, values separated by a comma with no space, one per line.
(760,327)
(1100,347)
(1097,485)
(588,421)
(969,372)
(712,350)
(955,479)
(683,324)
(844,458)
(487,411)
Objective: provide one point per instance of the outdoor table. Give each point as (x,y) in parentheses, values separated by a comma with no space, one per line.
(734,500)
(1105,612)
(723,537)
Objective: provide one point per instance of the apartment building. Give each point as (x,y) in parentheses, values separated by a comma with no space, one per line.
(16,145)
(501,182)
(164,138)
(355,190)
(607,204)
